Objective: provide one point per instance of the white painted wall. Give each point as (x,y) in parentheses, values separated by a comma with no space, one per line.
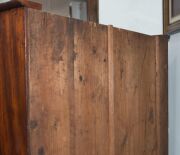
(143,16)
(174,94)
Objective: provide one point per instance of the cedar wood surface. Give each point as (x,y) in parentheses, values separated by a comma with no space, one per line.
(91,89)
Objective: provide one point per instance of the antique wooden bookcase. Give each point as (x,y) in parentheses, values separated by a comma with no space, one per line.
(69,87)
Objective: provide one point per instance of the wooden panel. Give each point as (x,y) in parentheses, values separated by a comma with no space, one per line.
(13,133)
(162,93)
(68,86)
(111,91)
(50,84)
(137,111)
(95,90)
(91,89)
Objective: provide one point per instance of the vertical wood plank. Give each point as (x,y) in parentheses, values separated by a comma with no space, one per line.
(71,93)
(111,90)
(91,89)
(68,86)
(51,112)
(162,93)
(13,120)
(135,97)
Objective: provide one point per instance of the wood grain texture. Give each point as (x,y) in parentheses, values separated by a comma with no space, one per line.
(162,93)
(68,86)
(13,124)
(80,88)
(135,127)
(138,97)
(94,89)
(111,91)
(50,83)
(91,89)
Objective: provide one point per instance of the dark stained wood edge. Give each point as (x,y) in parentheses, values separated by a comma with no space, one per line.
(165,15)
(19,3)
(111,91)
(167,27)
(162,93)
(93,10)
(27,69)
(13,114)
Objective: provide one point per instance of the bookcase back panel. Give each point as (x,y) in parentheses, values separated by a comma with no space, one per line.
(135,102)
(68,86)
(94,89)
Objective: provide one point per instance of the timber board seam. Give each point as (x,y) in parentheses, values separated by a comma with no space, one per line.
(111,90)
(161,121)
(27,72)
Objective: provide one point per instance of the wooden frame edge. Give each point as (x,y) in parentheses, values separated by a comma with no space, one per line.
(165,16)
(167,27)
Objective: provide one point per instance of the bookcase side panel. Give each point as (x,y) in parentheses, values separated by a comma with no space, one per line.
(13,120)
